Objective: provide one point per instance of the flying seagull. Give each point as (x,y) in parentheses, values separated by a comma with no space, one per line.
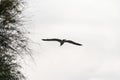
(62,41)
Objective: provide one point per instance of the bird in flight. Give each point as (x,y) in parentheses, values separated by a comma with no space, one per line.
(62,41)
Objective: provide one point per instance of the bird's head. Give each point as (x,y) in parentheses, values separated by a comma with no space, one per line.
(64,40)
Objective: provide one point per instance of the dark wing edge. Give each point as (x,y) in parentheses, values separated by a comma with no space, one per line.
(69,41)
(54,39)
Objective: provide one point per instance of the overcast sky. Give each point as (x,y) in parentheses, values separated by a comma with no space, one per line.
(93,23)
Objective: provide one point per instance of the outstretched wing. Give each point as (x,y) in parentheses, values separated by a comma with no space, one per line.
(72,42)
(54,39)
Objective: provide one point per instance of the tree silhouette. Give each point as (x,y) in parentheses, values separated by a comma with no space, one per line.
(13,41)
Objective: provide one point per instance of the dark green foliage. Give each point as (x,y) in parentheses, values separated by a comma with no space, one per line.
(9,69)
(12,39)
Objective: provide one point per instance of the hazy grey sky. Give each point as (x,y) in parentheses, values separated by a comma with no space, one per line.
(94,23)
